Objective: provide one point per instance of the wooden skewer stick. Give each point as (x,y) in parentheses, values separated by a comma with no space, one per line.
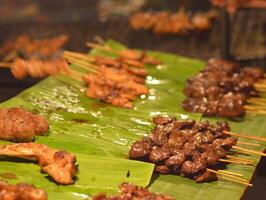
(255,108)
(237,181)
(232,173)
(235,162)
(84,62)
(249,143)
(257,103)
(258,85)
(98,46)
(5,65)
(242,159)
(248,150)
(262,139)
(79,55)
(257,112)
(83,65)
(230,177)
(257,100)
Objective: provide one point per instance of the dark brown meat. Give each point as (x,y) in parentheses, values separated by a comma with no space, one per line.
(21,192)
(20,125)
(159,154)
(197,164)
(206,177)
(184,147)
(132,192)
(160,120)
(140,149)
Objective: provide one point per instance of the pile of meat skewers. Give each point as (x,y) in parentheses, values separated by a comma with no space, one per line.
(25,47)
(132,192)
(167,23)
(117,81)
(222,88)
(36,58)
(188,148)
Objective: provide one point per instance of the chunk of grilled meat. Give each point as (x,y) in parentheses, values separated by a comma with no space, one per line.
(20,125)
(60,165)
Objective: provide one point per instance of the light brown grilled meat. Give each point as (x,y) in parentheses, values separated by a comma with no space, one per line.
(60,165)
(21,192)
(20,125)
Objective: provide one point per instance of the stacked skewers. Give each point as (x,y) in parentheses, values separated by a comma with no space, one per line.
(225,89)
(197,150)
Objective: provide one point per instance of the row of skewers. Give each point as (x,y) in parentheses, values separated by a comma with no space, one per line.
(197,150)
(179,23)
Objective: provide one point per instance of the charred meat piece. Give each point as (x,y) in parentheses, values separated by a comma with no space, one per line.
(21,191)
(206,177)
(132,192)
(140,149)
(160,120)
(20,125)
(60,165)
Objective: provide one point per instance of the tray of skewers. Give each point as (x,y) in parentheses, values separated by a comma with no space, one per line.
(118,123)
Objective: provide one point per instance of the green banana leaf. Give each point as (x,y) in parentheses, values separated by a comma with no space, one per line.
(100,135)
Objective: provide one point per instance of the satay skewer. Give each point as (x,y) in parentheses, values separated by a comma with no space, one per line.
(236,181)
(230,177)
(231,173)
(235,162)
(248,151)
(5,65)
(241,159)
(262,139)
(249,143)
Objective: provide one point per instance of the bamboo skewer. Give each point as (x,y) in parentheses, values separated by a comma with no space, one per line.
(240,159)
(230,177)
(235,162)
(249,143)
(246,136)
(237,181)
(248,150)
(5,65)
(98,46)
(231,173)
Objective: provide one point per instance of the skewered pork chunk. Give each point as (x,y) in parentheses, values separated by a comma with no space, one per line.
(21,192)
(60,165)
(19,125)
